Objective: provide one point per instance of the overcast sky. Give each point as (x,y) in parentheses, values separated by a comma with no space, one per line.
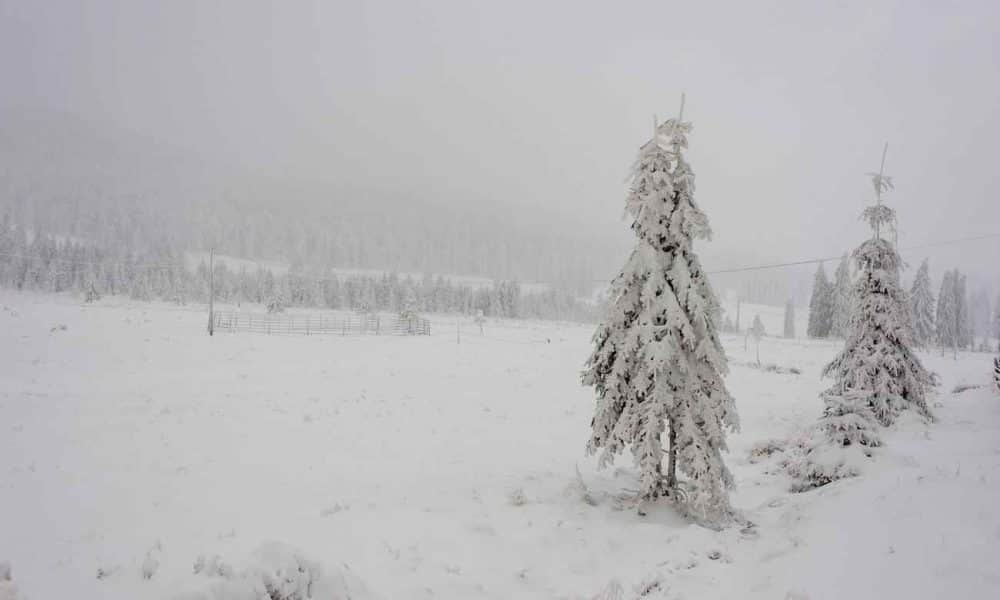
(545,103)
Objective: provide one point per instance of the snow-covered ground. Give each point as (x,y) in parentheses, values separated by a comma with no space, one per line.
(131,444)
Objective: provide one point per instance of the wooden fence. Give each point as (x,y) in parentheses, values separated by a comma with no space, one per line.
(320,324)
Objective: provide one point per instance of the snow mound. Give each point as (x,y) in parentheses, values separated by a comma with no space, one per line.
(825,464)
(8,591)
(276,572)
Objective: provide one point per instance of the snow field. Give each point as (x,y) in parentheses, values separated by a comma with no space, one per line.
(423,468)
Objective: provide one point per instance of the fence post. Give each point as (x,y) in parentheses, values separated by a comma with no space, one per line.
(211,292)
(307,325)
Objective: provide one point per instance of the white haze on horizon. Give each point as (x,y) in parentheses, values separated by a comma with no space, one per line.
(530,105)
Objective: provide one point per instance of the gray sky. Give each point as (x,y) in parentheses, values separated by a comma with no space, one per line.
(544,103)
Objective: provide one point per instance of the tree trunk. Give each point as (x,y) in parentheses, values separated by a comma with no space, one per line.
(671,459)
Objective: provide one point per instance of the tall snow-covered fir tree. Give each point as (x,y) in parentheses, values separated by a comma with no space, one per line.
(820,306)
(657,363)
(789,331)
(922,306)
(842,297)
(876,375)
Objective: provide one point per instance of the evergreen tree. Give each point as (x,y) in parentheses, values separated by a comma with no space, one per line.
(820,306)
(996,321)
(922,306)
(91,294)
(946,319)
(657,362)
(996,374)
(841,299)
(876,375)
(789,320)
(757,333)
(963,331)
(877,359)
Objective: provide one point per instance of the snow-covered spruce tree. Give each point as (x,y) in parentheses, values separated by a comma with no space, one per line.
(922,306)
(91,294)
(789,320)
(757,333)
(996,321)
(963,335)
(996,374)
(841,298)
(657,363)
(946,319)
(820,306)
(877,357)
(876,375)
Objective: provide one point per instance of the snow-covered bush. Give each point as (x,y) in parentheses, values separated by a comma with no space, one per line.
(516,497)
(657,364)
(276,572)
(996,374)
(275,304)
(8,591)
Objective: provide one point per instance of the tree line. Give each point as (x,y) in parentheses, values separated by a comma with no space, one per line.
(47,263)
(954,319)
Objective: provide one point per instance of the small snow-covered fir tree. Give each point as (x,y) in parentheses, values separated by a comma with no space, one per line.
(876,375)
(90,293)
(841,298)
(657,363)
(820,306)
(789,320)
(922,306)
(946,319)
(877,358)
(963,332)
(276,300)
(996,321)
(996,374)
(757,333)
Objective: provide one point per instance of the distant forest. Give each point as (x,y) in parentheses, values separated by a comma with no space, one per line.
(63,177)
(123,196)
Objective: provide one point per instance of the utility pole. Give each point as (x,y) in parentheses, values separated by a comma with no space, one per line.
(211,292)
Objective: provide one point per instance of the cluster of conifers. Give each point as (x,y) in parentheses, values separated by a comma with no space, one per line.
(657,366)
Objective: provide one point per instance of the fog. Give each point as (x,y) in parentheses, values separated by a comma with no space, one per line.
(539,108)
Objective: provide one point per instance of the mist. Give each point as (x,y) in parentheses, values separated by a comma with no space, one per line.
(532,114)
(327,299)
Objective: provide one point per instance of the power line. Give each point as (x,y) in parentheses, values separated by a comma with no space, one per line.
(458,281)
(819,260)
